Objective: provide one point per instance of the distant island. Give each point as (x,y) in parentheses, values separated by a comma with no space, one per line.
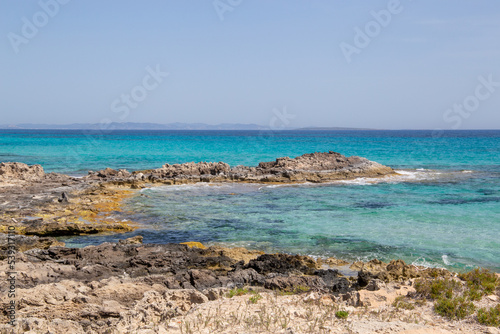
(156,126)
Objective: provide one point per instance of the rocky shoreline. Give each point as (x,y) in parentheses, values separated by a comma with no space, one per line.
(51,204)
(131,287)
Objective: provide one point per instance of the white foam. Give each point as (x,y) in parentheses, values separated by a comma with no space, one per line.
(422,262)
(446,261)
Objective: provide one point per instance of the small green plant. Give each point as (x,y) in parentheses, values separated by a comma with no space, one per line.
(237,292)
(255,298)
(454,308)
(402,302)
(480,282)
(342,314)
(489,317)
(300,289)
(437,288)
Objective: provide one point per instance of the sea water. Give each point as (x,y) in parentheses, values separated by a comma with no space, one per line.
(441,209)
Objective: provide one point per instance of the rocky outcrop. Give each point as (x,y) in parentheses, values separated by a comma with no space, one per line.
(396,270)
(18,171)
(64,205)
(129,285)
(23,243)
(191,169)
(314,167)
(317,167)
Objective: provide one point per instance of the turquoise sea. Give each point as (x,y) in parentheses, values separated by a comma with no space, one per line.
(443,209)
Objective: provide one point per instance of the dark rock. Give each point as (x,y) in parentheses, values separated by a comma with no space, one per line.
(245,276)
(364,277)
(203,279)
(332,281)
(283,264)
(64,198)
(23,243)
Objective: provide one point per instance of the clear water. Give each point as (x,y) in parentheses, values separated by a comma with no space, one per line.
(442,210)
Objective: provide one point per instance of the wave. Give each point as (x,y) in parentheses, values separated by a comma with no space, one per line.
(420,175)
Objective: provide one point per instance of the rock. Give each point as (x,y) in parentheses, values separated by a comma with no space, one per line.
(64,198)
(20,171)
(314,167)
(320,167)
(283,264)
(192,244)
(24,243)
(311,297)
(137,240)
(108,172)
(111,308)
(352,298)
(375,284)
(237,253)
(52,228)
(192,169)
(215,293)
(332,281)
(395,270)
(294,283)
(203,279)
(493,298)
(492,330)
(244,277)
(331,261)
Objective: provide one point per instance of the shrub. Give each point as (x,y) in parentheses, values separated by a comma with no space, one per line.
(402,302)
(489,317)
(437,288)
(454,308)
(480,282)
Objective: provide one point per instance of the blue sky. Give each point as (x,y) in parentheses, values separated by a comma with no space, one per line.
(422,64)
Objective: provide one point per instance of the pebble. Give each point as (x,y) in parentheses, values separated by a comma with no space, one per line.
(493,298)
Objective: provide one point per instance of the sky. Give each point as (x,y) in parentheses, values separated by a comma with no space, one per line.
(408,64)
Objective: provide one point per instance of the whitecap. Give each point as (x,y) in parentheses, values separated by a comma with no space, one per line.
(446,261)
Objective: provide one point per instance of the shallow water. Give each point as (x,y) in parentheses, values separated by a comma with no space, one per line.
(442,209)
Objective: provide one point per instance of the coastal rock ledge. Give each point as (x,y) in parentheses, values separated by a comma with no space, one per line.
(52,204)
(314,167)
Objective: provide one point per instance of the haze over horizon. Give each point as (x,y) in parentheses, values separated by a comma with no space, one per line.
(380,64)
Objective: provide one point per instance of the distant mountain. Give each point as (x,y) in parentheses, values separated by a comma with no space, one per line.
(330,129)
(135,126)
(156,126)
